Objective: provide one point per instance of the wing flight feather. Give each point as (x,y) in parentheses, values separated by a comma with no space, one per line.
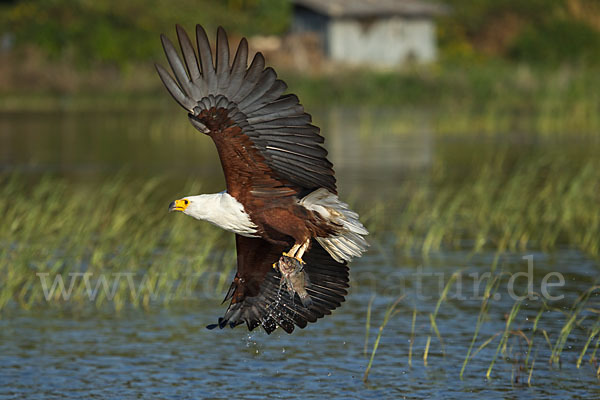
(257,298)
(253,99)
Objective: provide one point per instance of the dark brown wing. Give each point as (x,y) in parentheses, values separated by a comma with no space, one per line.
(253,124)
(258,300)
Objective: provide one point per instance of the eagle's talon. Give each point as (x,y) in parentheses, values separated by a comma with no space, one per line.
(301,261)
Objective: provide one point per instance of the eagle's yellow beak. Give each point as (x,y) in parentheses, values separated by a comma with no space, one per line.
(179,205)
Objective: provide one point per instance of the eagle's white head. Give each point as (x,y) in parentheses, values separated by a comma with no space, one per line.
(220,209)
(194,206)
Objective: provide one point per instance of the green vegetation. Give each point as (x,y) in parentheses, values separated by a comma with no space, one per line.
(506,204)
(482,97)
(119,226)
(126,32)
(121,33)
(389,313)
(514,201)
(486,98)
(545,32)
(532,201)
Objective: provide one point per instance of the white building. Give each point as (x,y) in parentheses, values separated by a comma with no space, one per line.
(372,32)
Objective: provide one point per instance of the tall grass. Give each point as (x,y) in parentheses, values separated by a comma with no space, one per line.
(540,201)
(118,225)
(433,316)
(390,312)
(101,229)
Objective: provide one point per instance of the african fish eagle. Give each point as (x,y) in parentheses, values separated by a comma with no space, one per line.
(281,200)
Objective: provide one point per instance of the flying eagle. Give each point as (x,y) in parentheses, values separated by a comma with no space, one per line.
(294,237)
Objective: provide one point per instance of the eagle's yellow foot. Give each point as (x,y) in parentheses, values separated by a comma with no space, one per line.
(297,251)
(286,254)
(301,261)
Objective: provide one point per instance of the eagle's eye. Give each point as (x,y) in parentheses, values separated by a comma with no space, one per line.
(186,202)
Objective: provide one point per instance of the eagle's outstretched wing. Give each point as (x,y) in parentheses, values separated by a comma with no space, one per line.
(258,299)
(264,138)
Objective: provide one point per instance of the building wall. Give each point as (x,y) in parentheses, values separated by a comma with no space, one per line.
(306,20)
(384,42)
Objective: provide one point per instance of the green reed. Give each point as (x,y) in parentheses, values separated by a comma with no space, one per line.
(389,313)
(574,319)
(433,316)
(52,225)
(534,201)
(117,226)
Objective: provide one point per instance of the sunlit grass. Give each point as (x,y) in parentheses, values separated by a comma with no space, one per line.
(490,288)
(114,227)
(117,225)
(433,316)
(542,202)
(389,313)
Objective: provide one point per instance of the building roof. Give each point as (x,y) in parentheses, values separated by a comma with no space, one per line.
(373,8)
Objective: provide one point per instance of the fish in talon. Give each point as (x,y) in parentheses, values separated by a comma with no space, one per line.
(295,279)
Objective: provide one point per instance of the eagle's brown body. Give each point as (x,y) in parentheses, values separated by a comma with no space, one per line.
(275,167)
(269,200)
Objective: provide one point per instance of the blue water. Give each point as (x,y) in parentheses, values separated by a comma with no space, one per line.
(167,352)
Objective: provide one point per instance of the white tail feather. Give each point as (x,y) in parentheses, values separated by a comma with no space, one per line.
(349,242)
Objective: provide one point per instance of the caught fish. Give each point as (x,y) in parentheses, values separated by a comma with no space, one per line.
(295,278)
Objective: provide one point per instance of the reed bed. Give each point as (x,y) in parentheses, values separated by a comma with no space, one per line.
(116,231)
(539,201)
(121,225)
